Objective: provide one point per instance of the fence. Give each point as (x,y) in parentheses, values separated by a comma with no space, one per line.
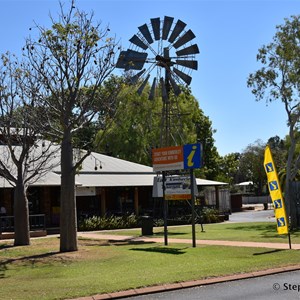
(224,198)
(36,222)
(256,199)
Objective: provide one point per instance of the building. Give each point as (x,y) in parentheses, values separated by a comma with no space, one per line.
(104,185)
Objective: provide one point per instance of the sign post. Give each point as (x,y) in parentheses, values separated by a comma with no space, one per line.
(176,158)
(193,208)
(165,208)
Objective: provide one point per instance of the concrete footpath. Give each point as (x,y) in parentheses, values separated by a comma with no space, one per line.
(193,283)
(99,236)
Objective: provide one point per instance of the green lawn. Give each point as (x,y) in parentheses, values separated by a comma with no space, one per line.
(251,232)
(40,272)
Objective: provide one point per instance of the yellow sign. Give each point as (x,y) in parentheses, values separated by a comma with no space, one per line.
(275,193)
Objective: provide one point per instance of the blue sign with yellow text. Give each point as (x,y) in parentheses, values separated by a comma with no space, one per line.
(192,156)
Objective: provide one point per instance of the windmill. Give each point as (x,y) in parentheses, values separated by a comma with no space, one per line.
(162,52)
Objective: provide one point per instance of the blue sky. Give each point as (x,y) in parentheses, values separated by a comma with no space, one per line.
(228,33)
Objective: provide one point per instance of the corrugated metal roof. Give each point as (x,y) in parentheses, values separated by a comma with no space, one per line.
(205,182)
(102,171)
(100,163)
(108,164)
(4,183)
(48,179)
(110,180)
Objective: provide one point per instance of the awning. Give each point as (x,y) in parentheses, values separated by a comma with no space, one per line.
(111,180)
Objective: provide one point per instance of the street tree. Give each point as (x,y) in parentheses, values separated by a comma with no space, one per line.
(279,79)
(24,156)
(71,60)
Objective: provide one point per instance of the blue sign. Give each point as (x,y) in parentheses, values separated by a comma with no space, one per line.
(281,222)
(192,156)
(273,185)
(277,203)
(269,167)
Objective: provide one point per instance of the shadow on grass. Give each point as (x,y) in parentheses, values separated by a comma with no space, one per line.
(161,233)
(263,230)
(92,242)
(32,259)
(269,252)
(255,227)
(109,242)
(6,246)
(128,242)
(163,250)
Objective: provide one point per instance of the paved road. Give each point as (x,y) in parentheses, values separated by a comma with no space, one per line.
(272,287)
(253,216)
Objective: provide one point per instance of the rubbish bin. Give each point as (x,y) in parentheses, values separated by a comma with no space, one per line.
(147,225)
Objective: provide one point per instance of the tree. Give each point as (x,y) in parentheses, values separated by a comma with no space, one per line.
(279,79)
(228,170)
(251,166)
(279,151)
(24,157)
(70,60)
(137,127)
(280,154)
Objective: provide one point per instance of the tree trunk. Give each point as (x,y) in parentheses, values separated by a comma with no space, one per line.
(21,216)
(68,216)
(291,206)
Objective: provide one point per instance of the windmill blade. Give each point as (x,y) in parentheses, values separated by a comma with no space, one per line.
(141,88)
(193,49)
(164,94)
(146,33)
(134,79)
(176,31)
(121,60)
(188,36)
(192,64)
(166,27)
(152,91)
(131,60)
(175,86)
(138,42)
(186,78)
(156,28)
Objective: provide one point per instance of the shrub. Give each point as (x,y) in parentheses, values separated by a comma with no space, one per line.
(110,222)
(210,215)
(158,222)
